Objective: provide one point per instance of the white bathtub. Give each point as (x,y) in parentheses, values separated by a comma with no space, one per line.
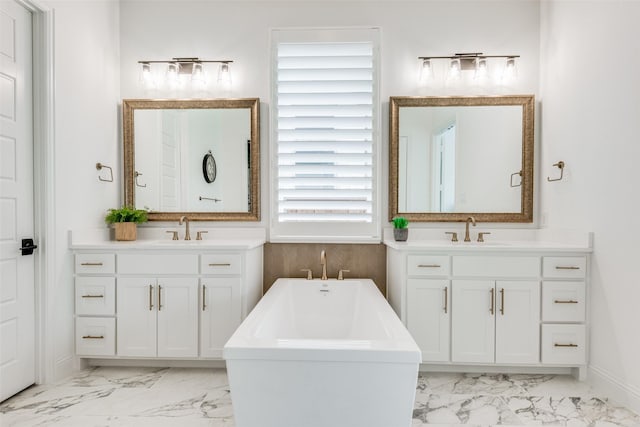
(318,353)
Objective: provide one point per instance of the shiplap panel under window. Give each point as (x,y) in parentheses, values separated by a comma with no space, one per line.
(325,113)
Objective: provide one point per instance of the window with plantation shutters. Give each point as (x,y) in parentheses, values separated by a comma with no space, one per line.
(325,134)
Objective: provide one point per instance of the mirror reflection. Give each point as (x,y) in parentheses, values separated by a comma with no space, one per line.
(196,157)
(179,151)
(451,157)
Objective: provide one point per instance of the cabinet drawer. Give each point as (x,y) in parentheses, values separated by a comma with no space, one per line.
(95,296)
(159,263)
(95,336)
(496,266)
(222,264)
(428,265)
(563,301)
(564,267)
(95,263)
(564,344)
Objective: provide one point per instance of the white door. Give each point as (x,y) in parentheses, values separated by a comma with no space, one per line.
(220,313)
(17,294)
(428,317)
(178,317)
(473,321)
(136,300)
(517,322)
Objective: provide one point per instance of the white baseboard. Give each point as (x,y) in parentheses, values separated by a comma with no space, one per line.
(616,390)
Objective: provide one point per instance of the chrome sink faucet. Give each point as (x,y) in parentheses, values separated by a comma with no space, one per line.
(323,262)
(187,235)
(466,228)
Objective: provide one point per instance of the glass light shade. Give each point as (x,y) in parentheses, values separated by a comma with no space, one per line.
(454,69)
(197,74)
(224,74)
(172,73)
(510,70)
(481,68)
(146,77)
(426,70)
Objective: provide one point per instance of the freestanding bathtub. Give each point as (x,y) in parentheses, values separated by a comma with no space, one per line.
(322,353)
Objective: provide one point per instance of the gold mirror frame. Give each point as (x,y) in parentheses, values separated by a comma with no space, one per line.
(527,103)
(128,108)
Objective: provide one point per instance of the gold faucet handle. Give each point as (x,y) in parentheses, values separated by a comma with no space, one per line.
(199,234)
(481,235)
(175,235)
(309,274)
(454,235)
(340,276)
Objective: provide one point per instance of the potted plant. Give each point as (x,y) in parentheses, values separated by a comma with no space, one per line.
(124,221)
(400,229)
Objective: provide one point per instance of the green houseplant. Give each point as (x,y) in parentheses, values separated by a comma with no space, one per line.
(124,221)
(400,229)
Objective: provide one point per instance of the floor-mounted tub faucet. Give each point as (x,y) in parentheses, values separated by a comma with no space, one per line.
(323,262)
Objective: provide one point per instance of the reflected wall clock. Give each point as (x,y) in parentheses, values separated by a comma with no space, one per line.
(209,169)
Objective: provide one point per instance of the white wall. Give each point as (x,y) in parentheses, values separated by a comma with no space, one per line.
(240,30)
(590,111)
(86,132)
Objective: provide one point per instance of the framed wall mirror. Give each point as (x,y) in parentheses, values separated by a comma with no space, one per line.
(199,158)
(455,157)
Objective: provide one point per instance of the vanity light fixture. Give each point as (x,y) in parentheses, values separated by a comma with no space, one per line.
(176,68)
(473,61)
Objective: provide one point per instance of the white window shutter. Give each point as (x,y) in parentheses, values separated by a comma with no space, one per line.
(325,132)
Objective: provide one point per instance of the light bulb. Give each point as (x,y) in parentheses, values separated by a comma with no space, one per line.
(224,74)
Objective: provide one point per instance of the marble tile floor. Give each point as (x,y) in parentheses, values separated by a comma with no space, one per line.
(182,397)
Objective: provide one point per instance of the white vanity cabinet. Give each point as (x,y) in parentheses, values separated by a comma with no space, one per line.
(137,300)
(495,321)
(157,317)
(492,305)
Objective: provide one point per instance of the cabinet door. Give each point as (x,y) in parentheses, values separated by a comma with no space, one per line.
(178,317)
(517,322)
(136,318)
(428,317)
(221,313)
(473,321)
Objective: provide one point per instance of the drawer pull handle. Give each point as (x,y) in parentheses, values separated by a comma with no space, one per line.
(93,337)
(150,297)
(220,264)
(569,301)
(502,301)
(446,299)
(562,267)
(429,266)
(159,298)
(92,296)
(565,345)
(204,297)
(92,264)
